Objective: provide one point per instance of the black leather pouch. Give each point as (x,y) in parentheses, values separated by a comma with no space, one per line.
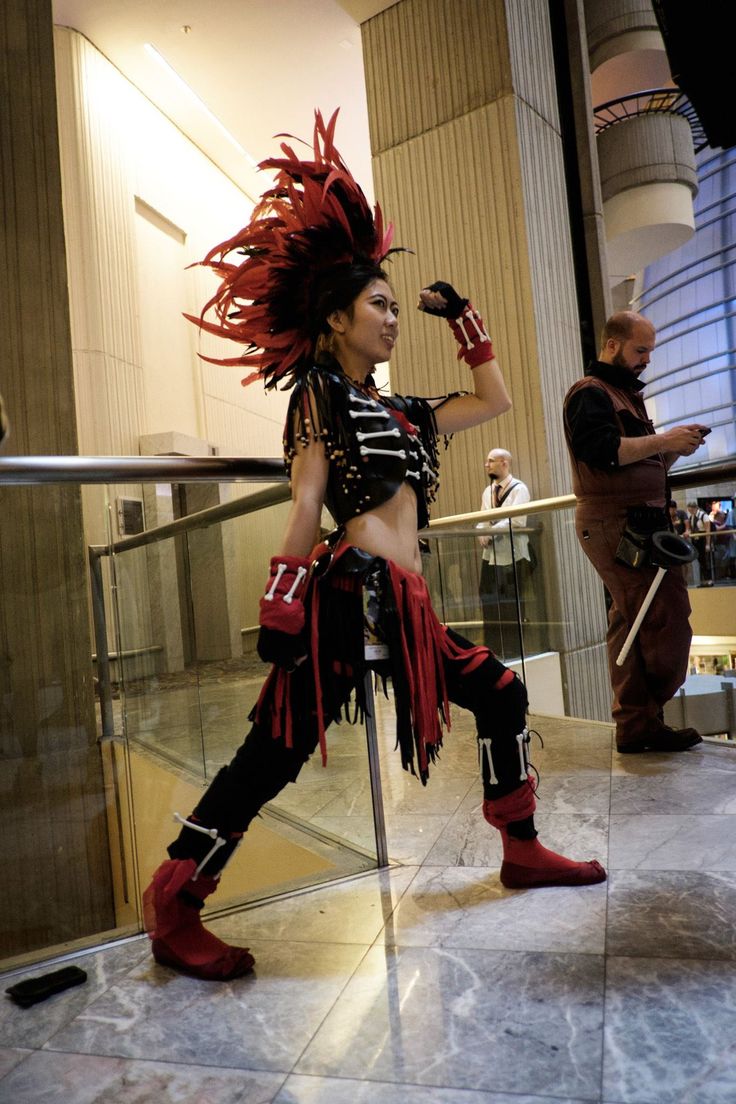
(635,547)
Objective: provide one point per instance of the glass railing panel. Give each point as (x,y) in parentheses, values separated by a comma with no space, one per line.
(493,593)
(543,633)
(93,762)
(321,828)
(56,805)
(186,615)
(716,561)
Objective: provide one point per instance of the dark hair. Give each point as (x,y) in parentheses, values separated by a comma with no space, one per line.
(619,327)
(340,286)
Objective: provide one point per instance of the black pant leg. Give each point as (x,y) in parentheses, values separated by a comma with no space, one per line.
(500,715)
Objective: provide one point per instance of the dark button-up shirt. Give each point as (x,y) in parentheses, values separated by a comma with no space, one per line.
(594,433)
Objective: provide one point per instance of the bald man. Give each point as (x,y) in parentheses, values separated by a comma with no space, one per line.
(506,557)
(619,472)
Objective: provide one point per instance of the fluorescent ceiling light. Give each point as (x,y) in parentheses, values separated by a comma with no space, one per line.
(158,57)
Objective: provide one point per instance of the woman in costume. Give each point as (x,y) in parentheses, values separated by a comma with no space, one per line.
(316,312)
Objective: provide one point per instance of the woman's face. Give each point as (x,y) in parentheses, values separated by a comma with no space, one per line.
(367,332)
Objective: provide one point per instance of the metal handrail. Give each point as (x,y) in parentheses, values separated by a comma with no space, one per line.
(224,511)
(201,519)
(688,477)
(651,101)
(140,469)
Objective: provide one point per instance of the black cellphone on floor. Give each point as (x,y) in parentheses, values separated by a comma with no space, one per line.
(33,990)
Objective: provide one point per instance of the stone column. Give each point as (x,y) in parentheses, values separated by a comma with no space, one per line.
(468,163)
(54,836)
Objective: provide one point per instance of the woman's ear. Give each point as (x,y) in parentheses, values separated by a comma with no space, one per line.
(336,321)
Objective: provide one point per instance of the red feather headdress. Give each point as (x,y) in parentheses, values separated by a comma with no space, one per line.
(314,219)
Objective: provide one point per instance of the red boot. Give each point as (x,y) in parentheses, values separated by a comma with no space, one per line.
(171,908)
(526,863)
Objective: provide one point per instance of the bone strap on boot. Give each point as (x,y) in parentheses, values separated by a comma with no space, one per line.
(172,905)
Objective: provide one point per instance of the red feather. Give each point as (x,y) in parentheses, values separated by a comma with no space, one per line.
(313,218)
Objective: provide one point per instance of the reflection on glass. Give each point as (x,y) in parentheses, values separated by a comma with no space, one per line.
(187,677)
(492,591)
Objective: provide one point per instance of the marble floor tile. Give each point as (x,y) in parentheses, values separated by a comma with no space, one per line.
(32,1027)
(587,790)
(673,842)
(670,1034)
(328,1090)
(465,1019)
(349,912)
(406,795)
(429,983)
(51,1078)
(308,797)
(409,837)
(469,908)
(672,914)
(262,1021)
(468,840)
(703,778)
(9,1058)
(570,790)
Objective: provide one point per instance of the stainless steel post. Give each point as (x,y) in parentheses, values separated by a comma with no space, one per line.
(100,627)
(374,770)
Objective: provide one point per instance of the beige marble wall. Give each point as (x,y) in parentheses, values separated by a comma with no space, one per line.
(132,231)
(468,163)
(55,861)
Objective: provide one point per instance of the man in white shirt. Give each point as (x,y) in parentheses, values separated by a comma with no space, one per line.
(506,557)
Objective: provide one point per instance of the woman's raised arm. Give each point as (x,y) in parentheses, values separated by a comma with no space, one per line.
(489,397)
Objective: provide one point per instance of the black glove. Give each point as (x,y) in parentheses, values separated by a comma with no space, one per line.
(282,648)
(455,304)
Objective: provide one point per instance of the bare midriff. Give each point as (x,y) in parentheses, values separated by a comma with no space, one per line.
(389,531)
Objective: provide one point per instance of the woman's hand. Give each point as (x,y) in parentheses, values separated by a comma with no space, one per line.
(442,300)
(490,397)
(468,328)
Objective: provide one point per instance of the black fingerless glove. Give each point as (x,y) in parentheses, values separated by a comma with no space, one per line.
(468,328)
(455,305)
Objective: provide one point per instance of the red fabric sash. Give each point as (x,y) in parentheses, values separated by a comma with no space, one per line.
(424,644)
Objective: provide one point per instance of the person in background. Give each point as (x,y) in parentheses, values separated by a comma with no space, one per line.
(700,523)
(506,558)
(680,520)
(619,471)
(719,540)
(731,545)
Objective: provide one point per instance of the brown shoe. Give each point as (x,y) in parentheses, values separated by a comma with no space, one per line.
(665,739)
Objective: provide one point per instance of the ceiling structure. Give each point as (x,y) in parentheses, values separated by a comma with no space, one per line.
(253,67)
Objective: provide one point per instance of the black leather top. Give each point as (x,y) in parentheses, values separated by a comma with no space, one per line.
(373,445)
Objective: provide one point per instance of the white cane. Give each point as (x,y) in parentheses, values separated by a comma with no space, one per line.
(640,616)
(668,550)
